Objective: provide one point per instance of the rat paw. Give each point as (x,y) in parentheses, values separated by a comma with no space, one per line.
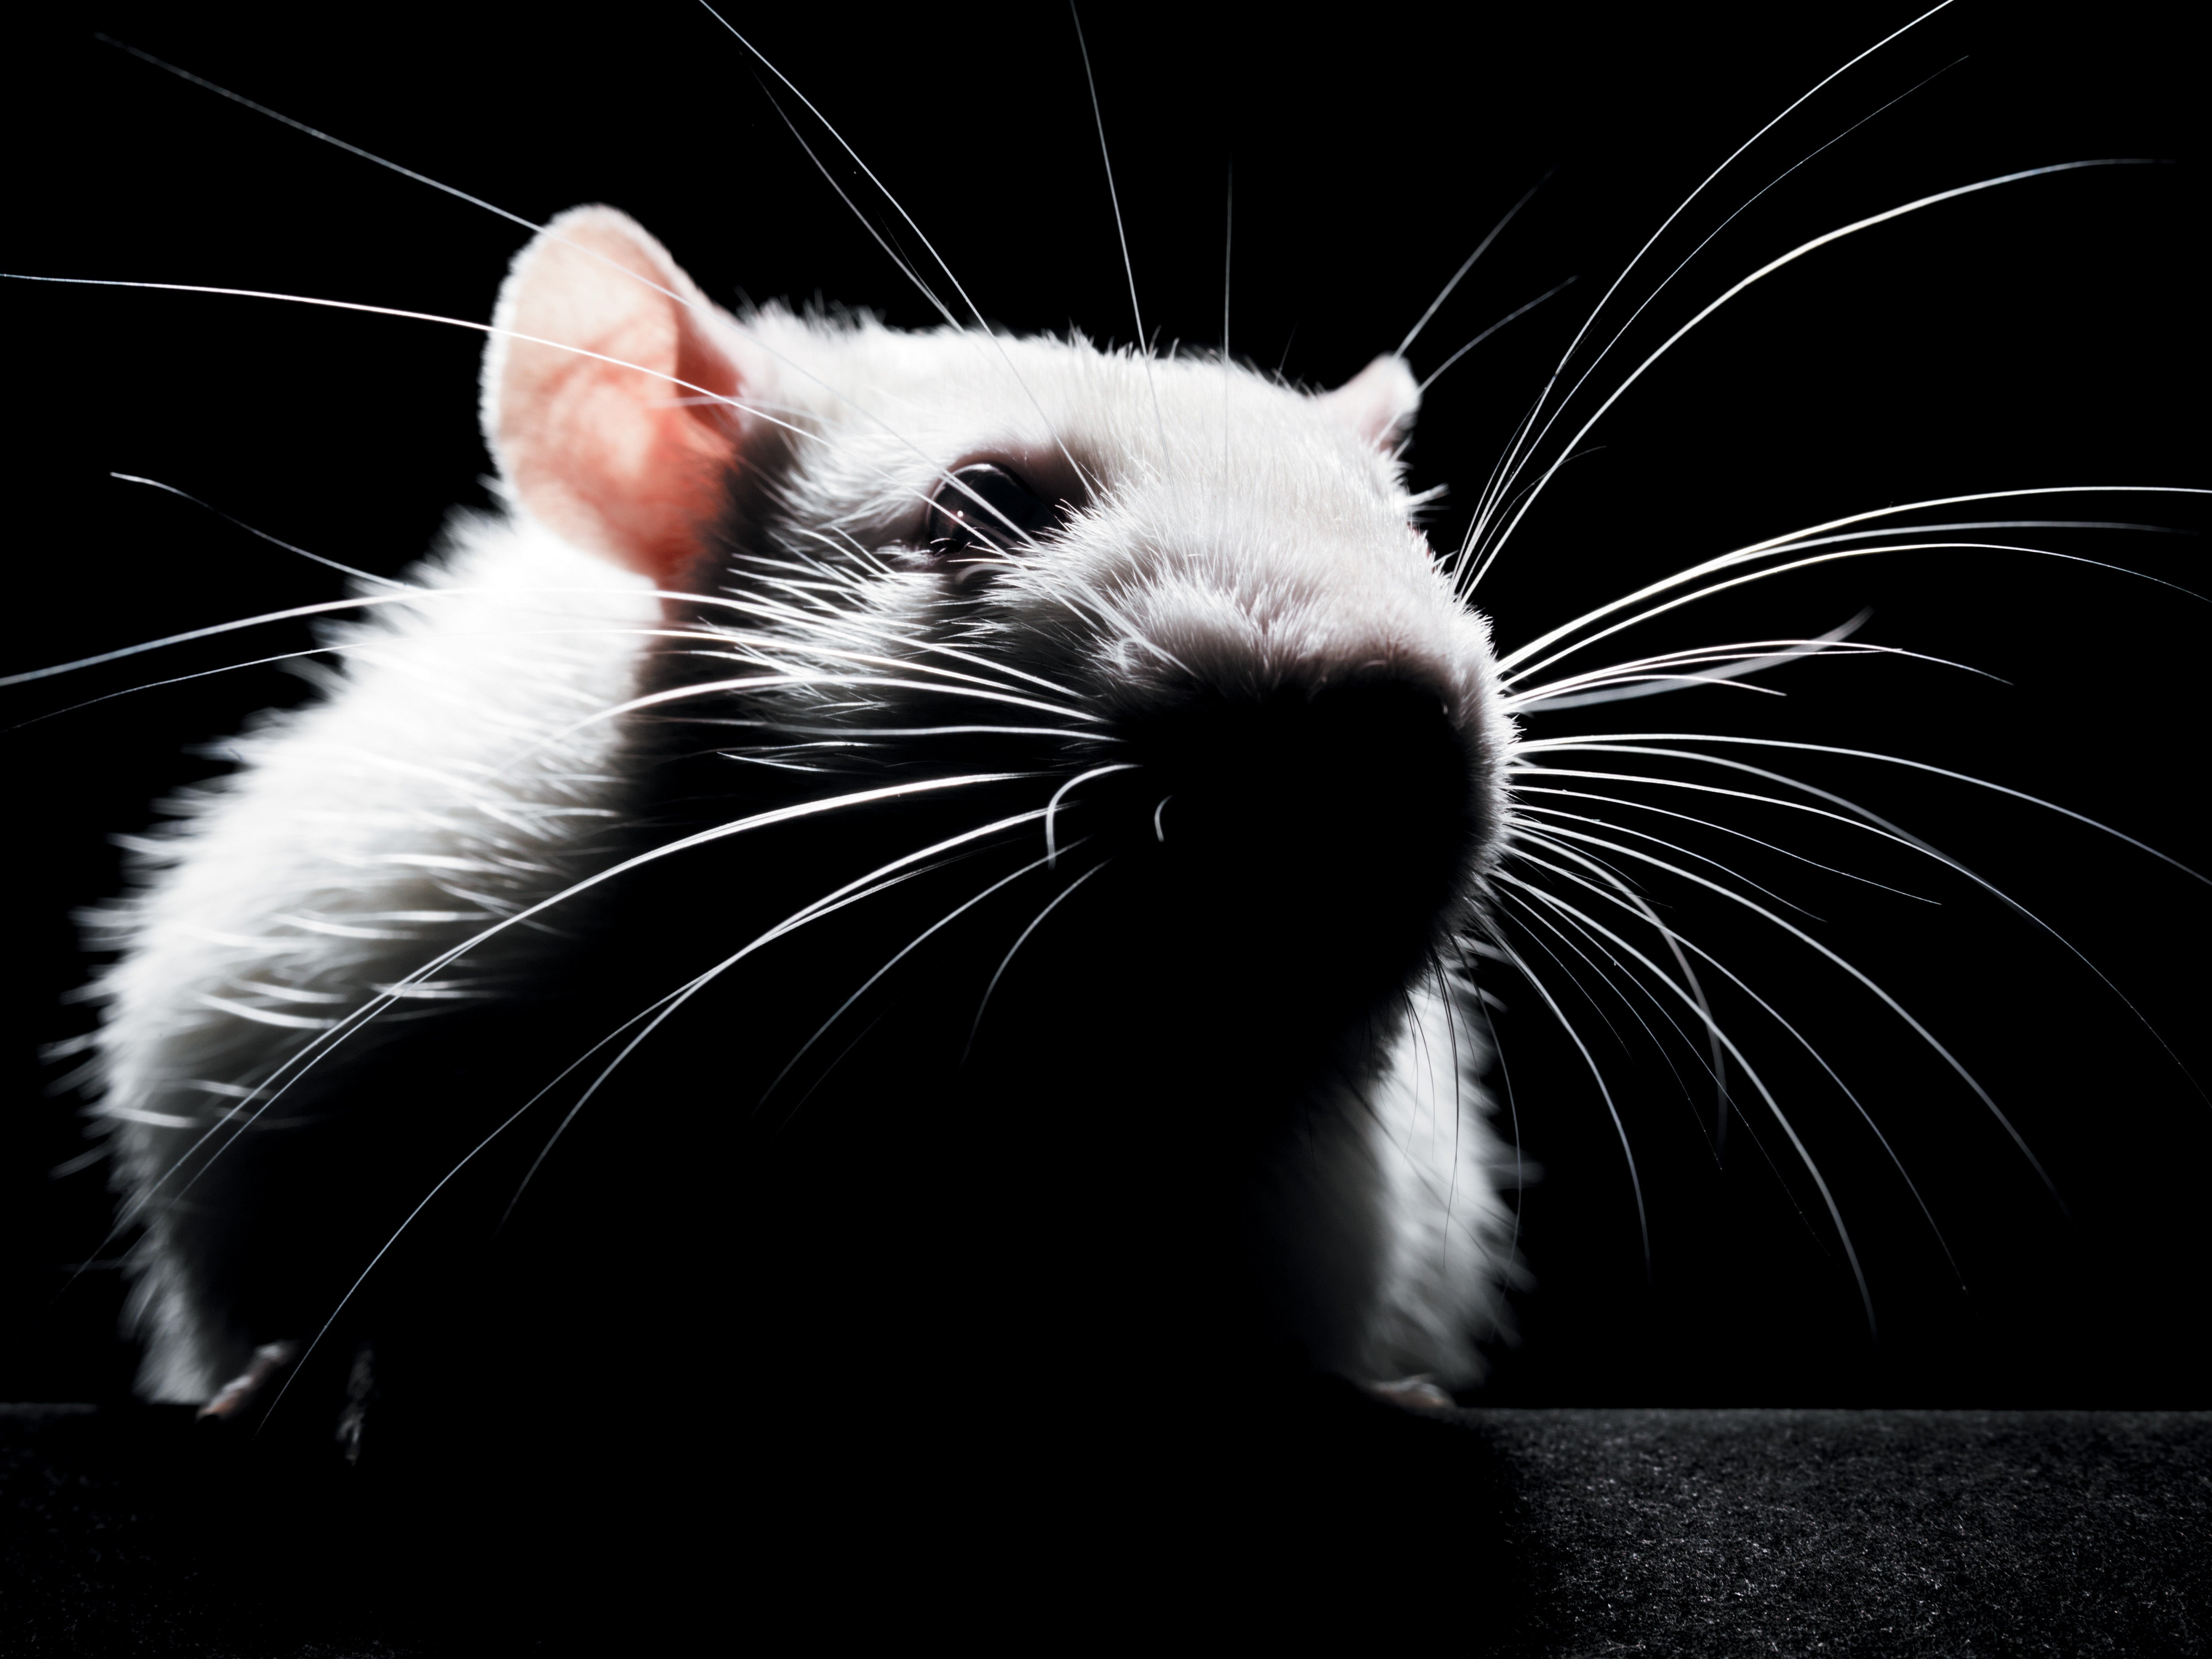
(269,1360)
(1418,1392)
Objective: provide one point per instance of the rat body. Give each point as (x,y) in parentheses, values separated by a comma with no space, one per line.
(1175,755)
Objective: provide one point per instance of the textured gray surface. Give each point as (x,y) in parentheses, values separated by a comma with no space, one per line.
(1547,1532)
(1839,1532)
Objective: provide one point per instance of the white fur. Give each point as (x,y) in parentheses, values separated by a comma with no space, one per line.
(1246,535)
(1388,1216)
(1235,529)
(359,837)
(1448,1258)
(1239,531)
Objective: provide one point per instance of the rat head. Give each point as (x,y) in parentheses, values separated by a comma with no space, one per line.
(1183,606)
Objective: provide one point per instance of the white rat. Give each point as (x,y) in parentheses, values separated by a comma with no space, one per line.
(937,854)
(1157,629)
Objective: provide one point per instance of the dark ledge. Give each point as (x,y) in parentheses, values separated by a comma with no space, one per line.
(1568,1532)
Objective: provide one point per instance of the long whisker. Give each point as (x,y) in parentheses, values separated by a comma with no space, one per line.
(1521,789)
(1739,659)
(1613,982)
(898,871)
(1543,744)
(402,591)
(703,394)
(1804,538)
(1575,979)
(251,530)
(1809,538)
(1865,822)
(1069,733)
(1772,570)
(1805,1156)
(298,1065)
(1664,283)
(1760,653)
(1610,687)
(898,957)
(666,1004)
(1467,265)
(1051,853)
(1667,222)
(1495,484)
(763,682)
(323,608)
(1128,267)
(1622,828)
(340,649)
(840,1057)
(1630,898)
(1007,960)
(905,267)
(1896,1162)
(1626,896)
(1635,1181)
(951,652)
(1890,831)
(407,595)
(1508,464)
(1767,269)
(821,907)
(759,411)
(316,133)
(1833,530)
(1513,315)
(975,311)
(492,207)
(1851,969)
(467,1158)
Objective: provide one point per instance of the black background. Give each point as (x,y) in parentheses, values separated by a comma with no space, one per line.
(2048,333)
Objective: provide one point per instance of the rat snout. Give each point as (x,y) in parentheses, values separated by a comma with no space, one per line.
(1305,750)
(1330,767)
(1339,819)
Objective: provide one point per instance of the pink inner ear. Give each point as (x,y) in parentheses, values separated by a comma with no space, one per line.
(631,462)
(1378,403)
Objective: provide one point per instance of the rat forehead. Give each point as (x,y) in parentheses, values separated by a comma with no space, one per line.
(902,405)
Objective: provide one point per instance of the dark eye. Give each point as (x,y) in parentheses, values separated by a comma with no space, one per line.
(981,511)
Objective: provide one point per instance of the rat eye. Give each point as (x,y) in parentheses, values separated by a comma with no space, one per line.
(981,510)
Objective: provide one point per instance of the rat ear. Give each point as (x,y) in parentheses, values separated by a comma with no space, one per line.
(627,458)
(1378,403)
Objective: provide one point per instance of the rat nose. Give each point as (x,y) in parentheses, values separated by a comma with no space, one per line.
(1340,817)
(1337,766)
